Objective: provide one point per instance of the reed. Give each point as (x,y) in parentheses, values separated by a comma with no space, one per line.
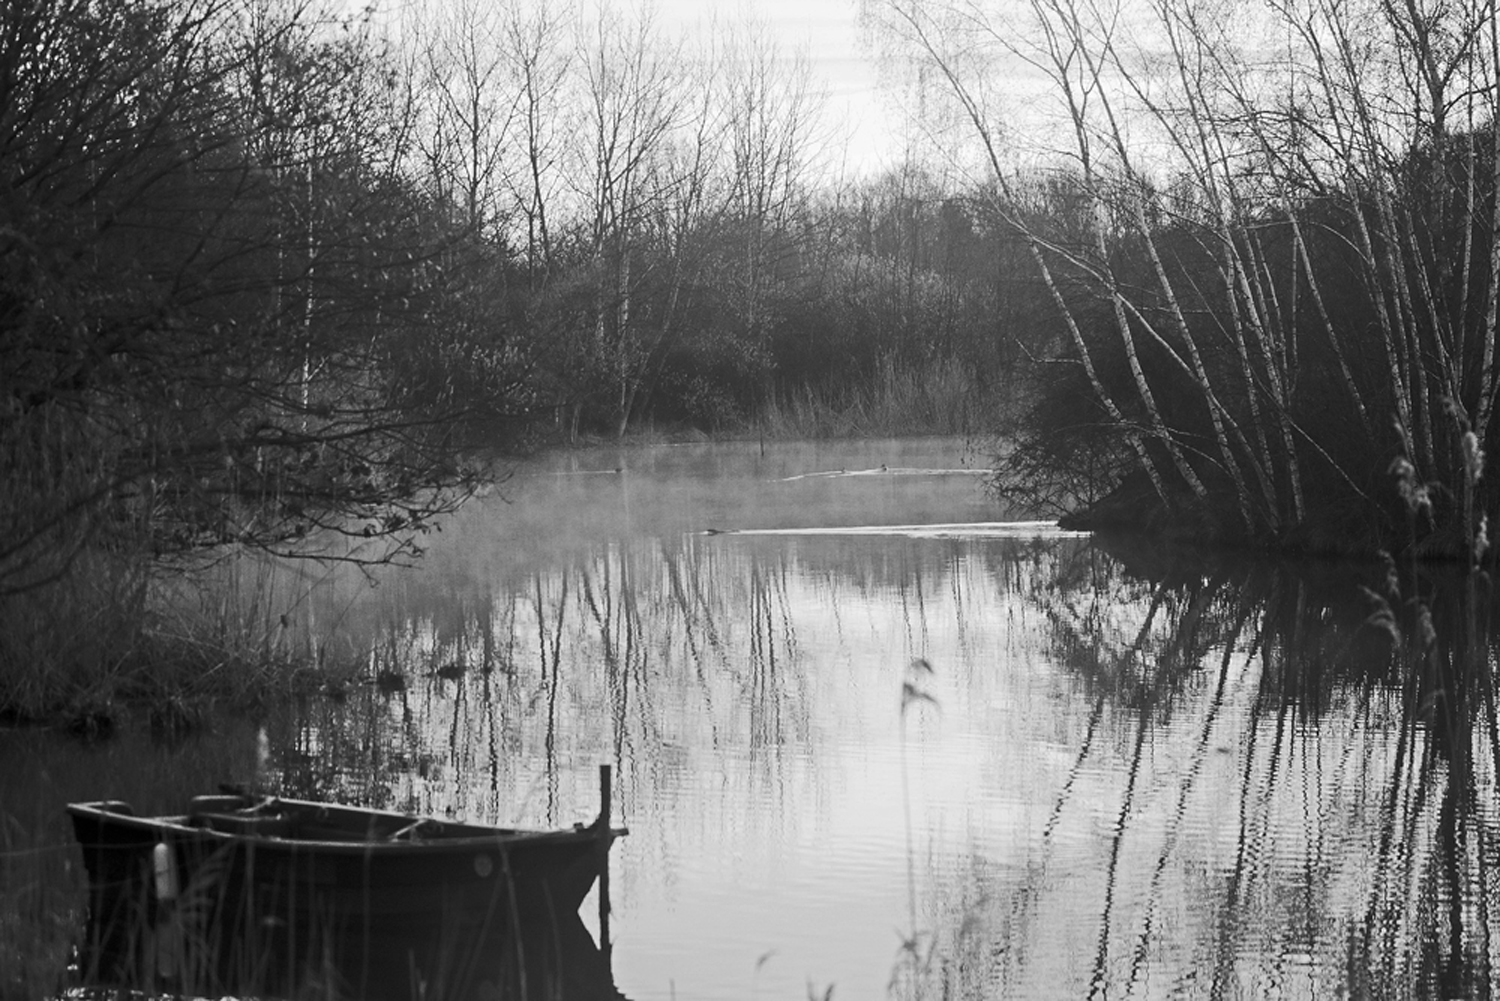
(944,397)
(116,634)
(42,882)
(66,642)
(37,922)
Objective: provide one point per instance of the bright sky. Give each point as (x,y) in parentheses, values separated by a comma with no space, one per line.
(829,32)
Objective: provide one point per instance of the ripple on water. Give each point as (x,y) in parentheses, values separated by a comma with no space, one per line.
(1145,786)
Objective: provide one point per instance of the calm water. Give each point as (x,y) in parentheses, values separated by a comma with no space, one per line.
(852,704)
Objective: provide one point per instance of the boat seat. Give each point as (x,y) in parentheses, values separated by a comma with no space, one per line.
(418,830)
(218,804)
(245,824)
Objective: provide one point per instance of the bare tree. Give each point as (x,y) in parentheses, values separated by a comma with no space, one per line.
(535,44)
(770,108)
(471,109)
(214,278)
(679,225)
(632,101)
(1330,175)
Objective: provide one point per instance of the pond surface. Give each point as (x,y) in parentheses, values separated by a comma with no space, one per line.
(875,733)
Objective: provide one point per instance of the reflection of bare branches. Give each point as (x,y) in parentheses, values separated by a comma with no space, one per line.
(645,651)
(771,629)
(695,619)
(1100,980)
(1187,783)
(1361,856)
(1027,896)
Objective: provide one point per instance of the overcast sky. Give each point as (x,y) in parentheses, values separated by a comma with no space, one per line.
(828,30)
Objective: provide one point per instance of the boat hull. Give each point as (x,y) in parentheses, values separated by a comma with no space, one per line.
(354,900)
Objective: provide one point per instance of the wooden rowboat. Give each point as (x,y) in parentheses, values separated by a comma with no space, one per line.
(242,893)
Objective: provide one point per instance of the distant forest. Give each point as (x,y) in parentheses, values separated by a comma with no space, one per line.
(267,273)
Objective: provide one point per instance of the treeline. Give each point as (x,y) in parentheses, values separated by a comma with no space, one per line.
(227,312)
(268,274)
(280,280)
(1272,246)
(679,245)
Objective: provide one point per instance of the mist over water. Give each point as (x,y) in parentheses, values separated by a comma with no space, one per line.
(1053,768)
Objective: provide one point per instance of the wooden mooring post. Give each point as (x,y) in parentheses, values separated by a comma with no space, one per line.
(605,838)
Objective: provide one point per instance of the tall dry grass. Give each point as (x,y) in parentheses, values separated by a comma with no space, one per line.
(42,882)
(944,397)
(118,634)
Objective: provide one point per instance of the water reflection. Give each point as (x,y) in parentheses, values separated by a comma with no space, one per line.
(1141,777)
(1300,806)
(560,962)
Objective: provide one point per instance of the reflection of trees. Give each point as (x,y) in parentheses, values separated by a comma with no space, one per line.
(1258,791)
(635,653)
(484,692)
(1297,805)
(1263,791)
(1440,826)
(677,659)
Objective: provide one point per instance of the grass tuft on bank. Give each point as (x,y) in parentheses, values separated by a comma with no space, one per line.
(944,398)
(118,637)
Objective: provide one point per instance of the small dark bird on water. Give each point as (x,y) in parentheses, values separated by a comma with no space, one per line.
(389,682)
(91,725)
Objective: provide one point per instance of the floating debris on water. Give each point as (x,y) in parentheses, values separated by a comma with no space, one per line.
(883,470)
(959,530)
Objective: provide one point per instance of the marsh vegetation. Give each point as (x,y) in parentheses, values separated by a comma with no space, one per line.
(285,280)
(285,292)
(280,280)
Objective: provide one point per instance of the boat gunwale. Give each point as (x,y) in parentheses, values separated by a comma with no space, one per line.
(494,838)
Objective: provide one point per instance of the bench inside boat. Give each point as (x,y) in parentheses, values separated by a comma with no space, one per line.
(277,818)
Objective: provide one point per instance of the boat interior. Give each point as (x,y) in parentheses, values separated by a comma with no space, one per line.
(274,817)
